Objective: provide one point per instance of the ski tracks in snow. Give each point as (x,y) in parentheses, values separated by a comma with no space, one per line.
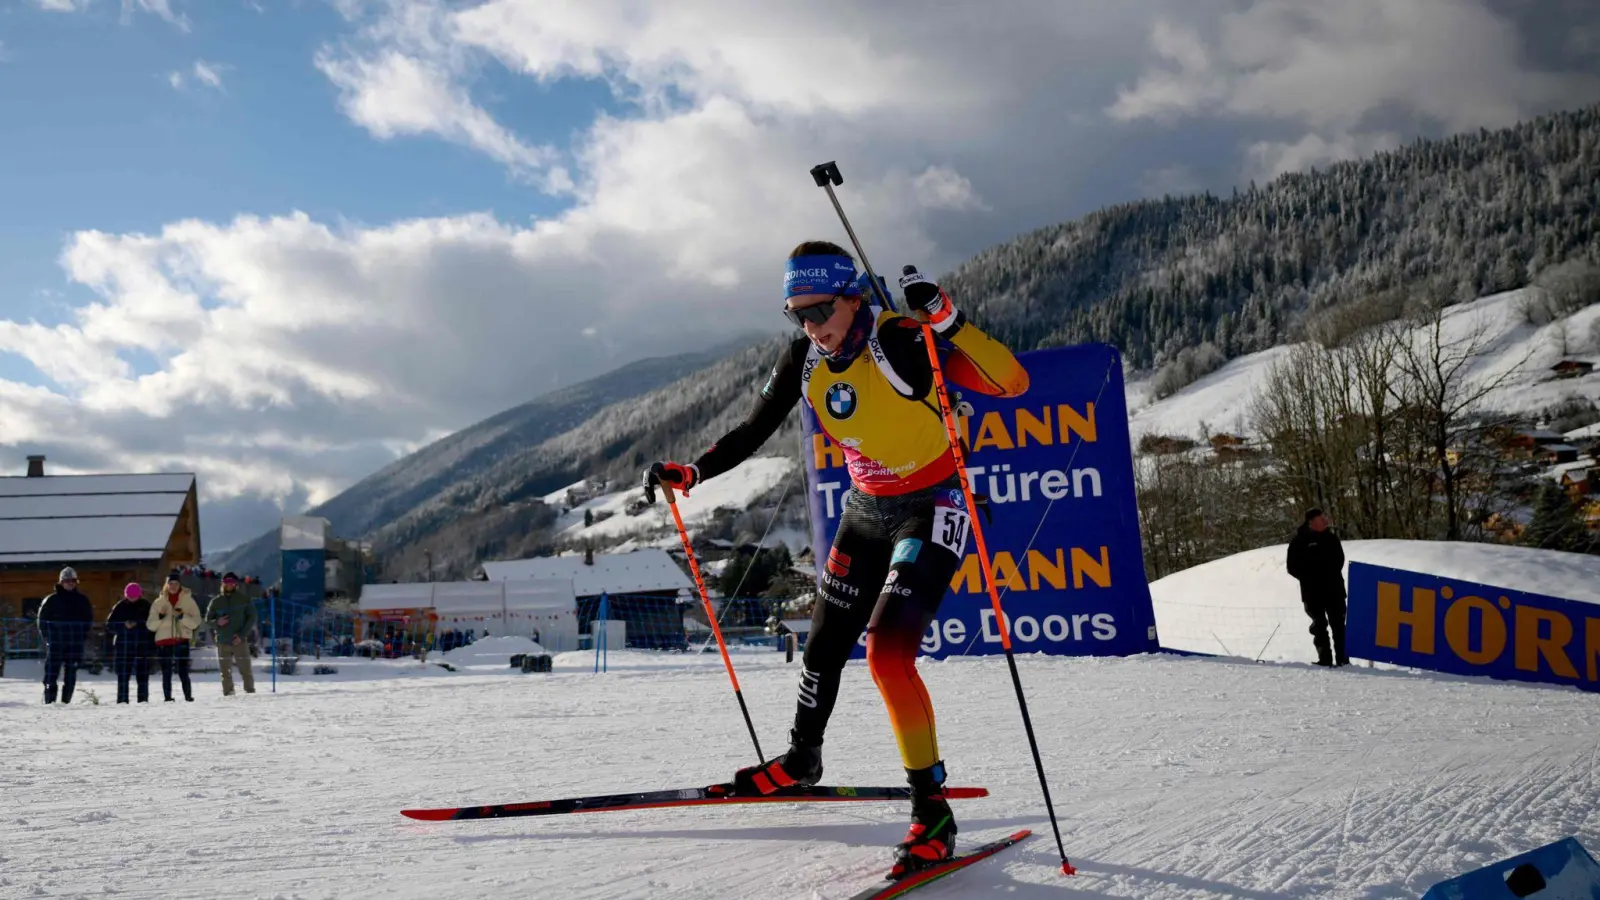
(1180,778)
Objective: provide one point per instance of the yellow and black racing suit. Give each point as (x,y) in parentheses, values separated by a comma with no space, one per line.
(904,524)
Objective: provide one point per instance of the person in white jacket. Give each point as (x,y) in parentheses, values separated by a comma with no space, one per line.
(174,616)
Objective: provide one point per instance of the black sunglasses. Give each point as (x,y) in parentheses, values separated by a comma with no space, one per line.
(816,314)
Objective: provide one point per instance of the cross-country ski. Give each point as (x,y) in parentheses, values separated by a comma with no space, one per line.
(713,795)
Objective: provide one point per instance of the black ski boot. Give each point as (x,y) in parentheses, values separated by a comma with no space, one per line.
(801,765)
(932,838)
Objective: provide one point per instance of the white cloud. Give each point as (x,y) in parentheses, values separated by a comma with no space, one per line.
(202,72)
(285,356)
(159,8)
(208,74)
(1338,70)
(392,94)
(1267,160)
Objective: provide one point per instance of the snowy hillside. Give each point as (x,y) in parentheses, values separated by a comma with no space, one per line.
(1246,605)
(1221,401)
(614,527)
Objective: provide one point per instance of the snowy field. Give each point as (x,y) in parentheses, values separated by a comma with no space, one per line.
(1174,777)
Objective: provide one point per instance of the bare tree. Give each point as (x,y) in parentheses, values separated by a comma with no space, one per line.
(1436,378)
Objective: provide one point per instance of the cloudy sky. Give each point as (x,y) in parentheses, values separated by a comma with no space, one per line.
(281,242)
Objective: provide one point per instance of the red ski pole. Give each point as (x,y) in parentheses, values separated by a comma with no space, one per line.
(711,616)
(954,434)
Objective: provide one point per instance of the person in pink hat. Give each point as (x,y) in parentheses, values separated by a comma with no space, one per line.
(132,644)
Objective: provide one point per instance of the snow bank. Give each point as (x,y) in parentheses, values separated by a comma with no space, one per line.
(491,652)
(1247,605)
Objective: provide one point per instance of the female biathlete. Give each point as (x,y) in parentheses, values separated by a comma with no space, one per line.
(866,375)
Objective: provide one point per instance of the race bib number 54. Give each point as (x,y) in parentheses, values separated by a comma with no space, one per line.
(950,527)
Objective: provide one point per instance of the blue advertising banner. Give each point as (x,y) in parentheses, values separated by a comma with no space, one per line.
(304,577)
(1447,625)
(1057,466)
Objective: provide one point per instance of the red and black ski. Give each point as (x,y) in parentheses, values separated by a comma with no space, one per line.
(929,875)
(714,795)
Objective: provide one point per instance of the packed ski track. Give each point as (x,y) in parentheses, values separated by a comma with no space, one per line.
(1175,777)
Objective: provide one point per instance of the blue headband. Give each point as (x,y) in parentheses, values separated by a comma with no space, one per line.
(812,275)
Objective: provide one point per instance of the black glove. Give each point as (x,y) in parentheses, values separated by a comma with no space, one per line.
(928,302)
(676,475)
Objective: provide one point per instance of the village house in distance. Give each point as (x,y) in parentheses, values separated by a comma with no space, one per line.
(113,529)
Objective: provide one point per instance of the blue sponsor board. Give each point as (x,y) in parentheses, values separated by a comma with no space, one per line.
(1448,625)
(304,577)
(1057,466)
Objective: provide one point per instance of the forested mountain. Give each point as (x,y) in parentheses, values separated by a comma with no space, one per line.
(1485,210)
(1213,276)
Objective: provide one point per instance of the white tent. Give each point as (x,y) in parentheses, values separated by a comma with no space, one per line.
(648,571)
(395,597)
(486,607)
(543,606)
(470,605)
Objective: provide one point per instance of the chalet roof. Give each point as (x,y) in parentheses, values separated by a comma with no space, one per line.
(637,572)
(60,519)
(1540,434)
(1587,432)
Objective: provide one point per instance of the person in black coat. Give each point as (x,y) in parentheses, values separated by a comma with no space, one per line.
(132,643)
(1316,560)
(64,619)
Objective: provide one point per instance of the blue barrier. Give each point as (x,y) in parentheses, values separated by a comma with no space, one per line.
(1447,625)
(1560,871)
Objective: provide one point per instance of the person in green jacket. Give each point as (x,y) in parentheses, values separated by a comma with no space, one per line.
(233,615)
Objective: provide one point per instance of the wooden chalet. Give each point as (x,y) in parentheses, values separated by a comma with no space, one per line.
(1581,483)
(1572,368)
(1533,438)
(1556,454)
(113,529)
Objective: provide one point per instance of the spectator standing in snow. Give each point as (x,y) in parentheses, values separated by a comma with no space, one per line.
(1316,560)
(234,616)
(174,616)
(131,642)
(64,619)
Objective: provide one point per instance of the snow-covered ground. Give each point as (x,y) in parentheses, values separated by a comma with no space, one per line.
(1175,777)
(1247,606)
(1221,401)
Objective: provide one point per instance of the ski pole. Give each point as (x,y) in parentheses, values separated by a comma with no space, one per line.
(711,616)
(988,577)
(826,176)
(830,172)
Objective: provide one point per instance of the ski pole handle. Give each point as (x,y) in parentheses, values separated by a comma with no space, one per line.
(826,176)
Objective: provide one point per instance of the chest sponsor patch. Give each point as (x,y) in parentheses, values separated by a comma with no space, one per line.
(841,400)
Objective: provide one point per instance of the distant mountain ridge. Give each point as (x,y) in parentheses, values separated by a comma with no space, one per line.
(451,471)
(1478,213)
